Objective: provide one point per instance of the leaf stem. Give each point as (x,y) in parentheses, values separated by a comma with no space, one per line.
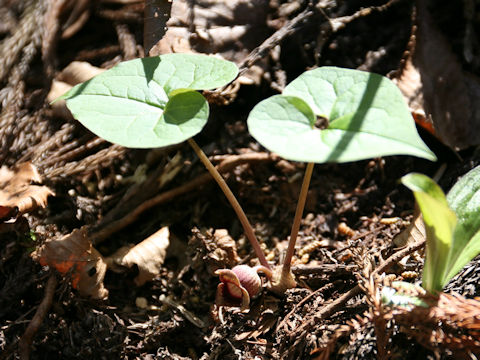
(298,217)
(247,227)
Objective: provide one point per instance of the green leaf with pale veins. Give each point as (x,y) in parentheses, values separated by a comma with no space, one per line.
(367,117)
(137,103)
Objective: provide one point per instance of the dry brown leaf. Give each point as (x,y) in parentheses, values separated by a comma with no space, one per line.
(59,107)
(75,73)
(75,254)
(17,194)
(442,96)
(413,233)
(79,71)
(230,28)
(226,247)
(148,255)
(213,251)
(156,14)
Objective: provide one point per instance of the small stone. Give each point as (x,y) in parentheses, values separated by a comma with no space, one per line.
(141,302)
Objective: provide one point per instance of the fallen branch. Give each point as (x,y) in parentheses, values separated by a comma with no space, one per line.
(25,343)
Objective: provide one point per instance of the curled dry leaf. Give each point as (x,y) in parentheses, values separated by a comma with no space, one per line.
(442,96)
(225,250)
(75,254)
(213,251)
(148,255)
(79,71)
(413,233)
(75,73)
(59,107)
(17,193)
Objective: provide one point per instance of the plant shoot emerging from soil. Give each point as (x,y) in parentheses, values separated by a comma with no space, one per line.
(452,225)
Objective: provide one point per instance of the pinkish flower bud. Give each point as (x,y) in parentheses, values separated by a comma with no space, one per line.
(239,285)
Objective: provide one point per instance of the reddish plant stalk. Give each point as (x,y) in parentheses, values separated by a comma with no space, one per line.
(298,217)
(247,227)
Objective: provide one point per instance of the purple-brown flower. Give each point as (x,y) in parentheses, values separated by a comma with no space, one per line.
(239,285)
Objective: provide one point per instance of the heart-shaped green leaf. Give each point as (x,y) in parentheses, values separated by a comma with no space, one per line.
(136,103)
(440,222)
(366,112)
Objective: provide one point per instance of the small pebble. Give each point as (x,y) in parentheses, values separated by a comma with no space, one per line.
(141,302)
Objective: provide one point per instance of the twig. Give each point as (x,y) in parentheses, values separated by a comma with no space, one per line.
(323,269)
(127,41)
(276,38)
(25,343)
(399,255)
(303,301)
(340,22)
(78,15)
(301,20)
(228,164)
(36,153)
(87,164)
(51,34)
(11,47)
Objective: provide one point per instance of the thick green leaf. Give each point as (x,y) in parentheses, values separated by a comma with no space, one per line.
(440,222)
(126,104)
(464,200)
(367,117)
